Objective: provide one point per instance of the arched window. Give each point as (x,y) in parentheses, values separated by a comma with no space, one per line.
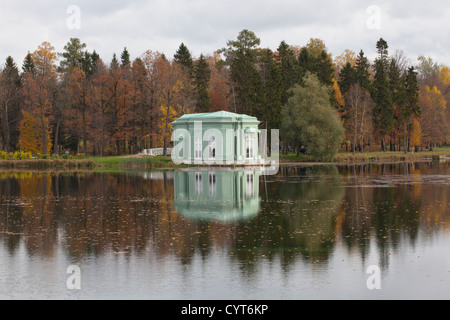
(250,145)
(198,148)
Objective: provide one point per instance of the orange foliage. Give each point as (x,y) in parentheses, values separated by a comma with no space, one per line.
(30,139)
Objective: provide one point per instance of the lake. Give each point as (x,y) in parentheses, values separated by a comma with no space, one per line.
(373,231)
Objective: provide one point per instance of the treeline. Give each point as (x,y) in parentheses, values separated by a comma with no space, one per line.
(74,101)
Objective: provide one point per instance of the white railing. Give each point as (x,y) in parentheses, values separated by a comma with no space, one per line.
(156,152)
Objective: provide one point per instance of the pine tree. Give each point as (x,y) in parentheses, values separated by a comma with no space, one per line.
(202,76)
(183,56)
(73,56)
(125,57)
(382,49)
(383,112)
(114,64)
(273,90)
(362,71)
(289,68)
(95,57)
(28,64)
(347,77)
(241,56)
(315,59)
(411,107)
(9,99)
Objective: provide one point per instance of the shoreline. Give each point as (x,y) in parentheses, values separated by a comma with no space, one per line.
(165,163)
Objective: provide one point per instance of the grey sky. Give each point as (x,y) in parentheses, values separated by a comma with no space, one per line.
(416,27)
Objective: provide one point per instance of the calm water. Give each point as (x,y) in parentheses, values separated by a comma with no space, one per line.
(306,233)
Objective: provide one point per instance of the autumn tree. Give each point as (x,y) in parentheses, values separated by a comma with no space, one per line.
(433,122)
(71,113)
(141,97)
(31,135)
(348,56)
(150,60)
(39,87)
(102,102)
(79,93)
(220,91)
(415,135)
(444,76)
(169,76)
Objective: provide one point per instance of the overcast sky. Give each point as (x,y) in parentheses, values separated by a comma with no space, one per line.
(416,27)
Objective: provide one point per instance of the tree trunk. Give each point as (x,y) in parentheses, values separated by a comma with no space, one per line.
(56,144)
(44,136)
(5,127)
(354,132)
(84,133)
(406,136)
(166,124)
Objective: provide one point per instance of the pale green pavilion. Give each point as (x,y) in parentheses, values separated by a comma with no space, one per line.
(216,138)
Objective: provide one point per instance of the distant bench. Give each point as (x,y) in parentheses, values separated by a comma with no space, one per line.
(156,152)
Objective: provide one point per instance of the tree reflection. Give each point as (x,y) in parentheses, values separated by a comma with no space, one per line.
(303,213)
(298,219)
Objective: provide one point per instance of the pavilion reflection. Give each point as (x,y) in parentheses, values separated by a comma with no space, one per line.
(221,195)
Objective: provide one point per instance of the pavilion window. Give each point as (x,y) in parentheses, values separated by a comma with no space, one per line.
(198,149)
(250,143)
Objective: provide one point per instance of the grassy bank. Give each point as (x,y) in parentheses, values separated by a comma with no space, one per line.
(125,162)
(390,156)
(132,162)
(161,162)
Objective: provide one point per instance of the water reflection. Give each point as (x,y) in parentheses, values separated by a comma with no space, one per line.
(217,195)
(316,217)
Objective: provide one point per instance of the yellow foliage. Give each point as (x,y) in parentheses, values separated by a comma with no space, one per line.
(444,75)
(30,139)
(416,134)
(45,58)
(339,98)
(173,115)
(436,98)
